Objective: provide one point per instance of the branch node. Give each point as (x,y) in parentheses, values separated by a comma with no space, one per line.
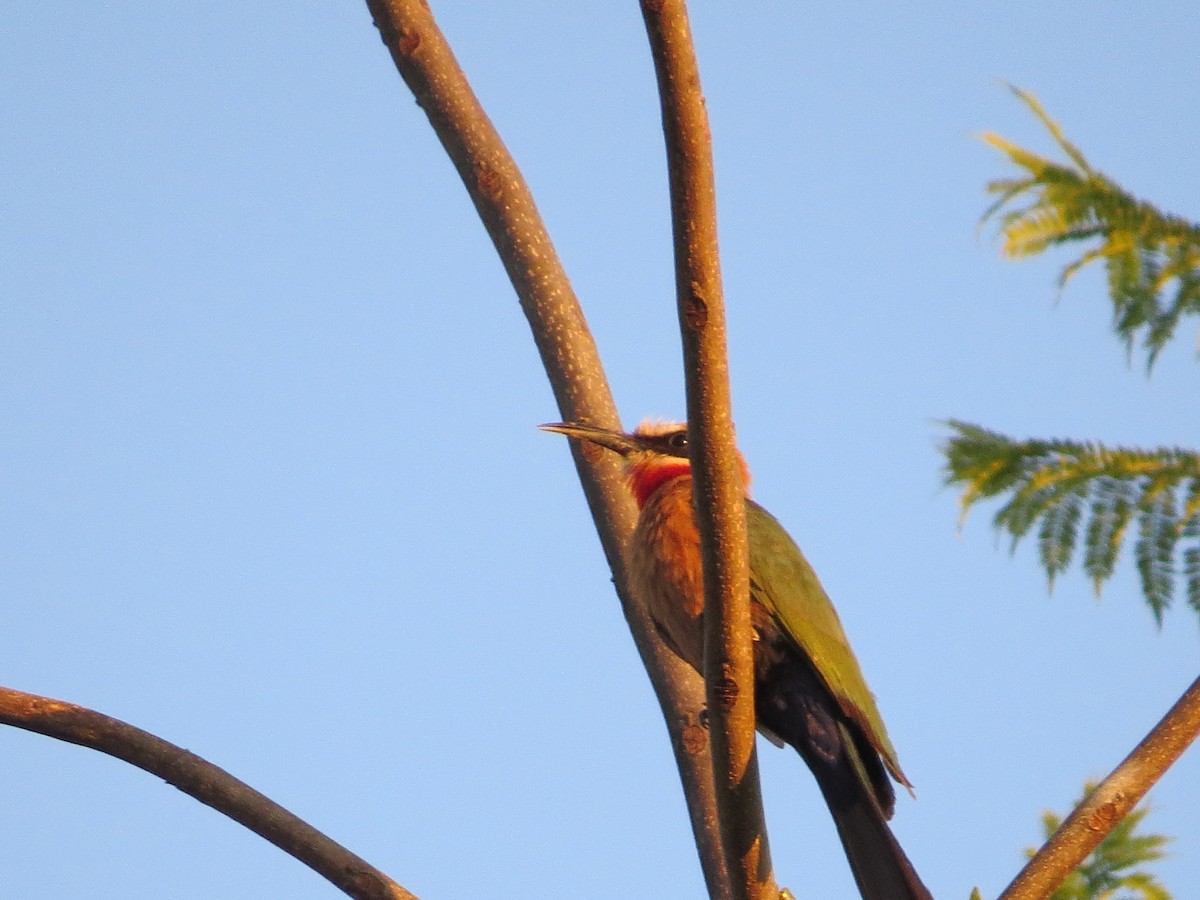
(1106,816)
(409,41)
(727,692)
(488,181)
(694,739)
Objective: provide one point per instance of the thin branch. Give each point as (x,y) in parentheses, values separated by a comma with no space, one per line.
(720,504)
(1119,793)
(207,783)
(572,364)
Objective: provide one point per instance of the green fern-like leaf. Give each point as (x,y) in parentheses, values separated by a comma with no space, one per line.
(1111,510)
(1191,576)
(1111,871)
(1145,251)
(1059,531)
(1072,491)
(1155,548)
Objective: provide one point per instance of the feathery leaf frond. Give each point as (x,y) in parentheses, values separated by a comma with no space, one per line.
(1145,250)
(1063,486)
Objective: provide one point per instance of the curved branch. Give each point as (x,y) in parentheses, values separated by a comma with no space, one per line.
(1119,793)
(719,497)
(207,783)
(572,363)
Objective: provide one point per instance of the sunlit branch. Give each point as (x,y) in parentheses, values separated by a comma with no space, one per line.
(507,209)
(1119,793)
(728,649)
(207,783)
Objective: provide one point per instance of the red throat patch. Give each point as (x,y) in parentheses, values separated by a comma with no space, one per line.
(647,475)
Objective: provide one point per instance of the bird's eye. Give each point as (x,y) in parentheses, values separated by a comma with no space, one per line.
(678,441)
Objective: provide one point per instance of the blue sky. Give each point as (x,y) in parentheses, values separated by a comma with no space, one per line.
(272,484)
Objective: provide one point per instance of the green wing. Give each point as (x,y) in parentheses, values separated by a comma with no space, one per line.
(785,584)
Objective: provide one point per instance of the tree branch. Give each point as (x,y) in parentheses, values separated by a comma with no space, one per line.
(209,784)
(720,504)
(1119,793)
(572,364)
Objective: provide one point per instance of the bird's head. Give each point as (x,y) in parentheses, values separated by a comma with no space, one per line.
(654,453)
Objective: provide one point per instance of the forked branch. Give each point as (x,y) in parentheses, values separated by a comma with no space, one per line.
(572,364)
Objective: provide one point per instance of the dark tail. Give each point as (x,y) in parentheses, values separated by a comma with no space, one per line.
(880,867)
(795,706)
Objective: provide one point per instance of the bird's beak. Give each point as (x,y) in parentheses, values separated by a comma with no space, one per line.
(617,441)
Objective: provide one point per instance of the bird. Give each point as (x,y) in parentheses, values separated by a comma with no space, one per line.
(809,690)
